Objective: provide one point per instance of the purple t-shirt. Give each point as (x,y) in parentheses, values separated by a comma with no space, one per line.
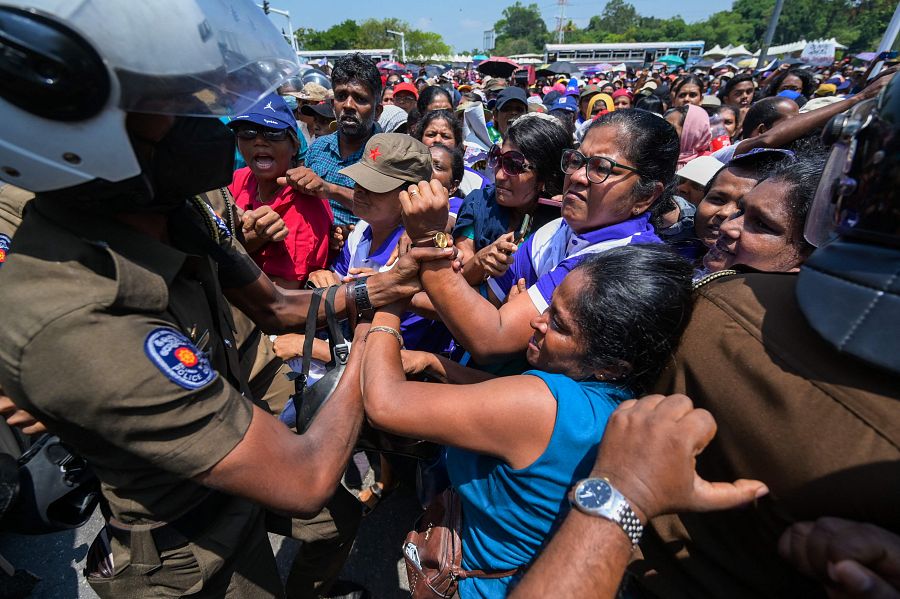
(546,257)
(418,332)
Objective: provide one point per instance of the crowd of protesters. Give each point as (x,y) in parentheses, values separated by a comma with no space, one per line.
(529,255)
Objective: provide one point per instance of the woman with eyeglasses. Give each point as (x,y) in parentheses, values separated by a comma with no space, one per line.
(285,232)
(623,168)
(526,168)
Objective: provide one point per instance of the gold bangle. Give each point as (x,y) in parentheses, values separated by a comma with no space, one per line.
(389,330)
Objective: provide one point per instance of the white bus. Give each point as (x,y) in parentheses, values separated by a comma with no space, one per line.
(376,55)
(631,53)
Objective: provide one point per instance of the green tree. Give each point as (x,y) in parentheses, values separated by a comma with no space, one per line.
(425,43)
(372,33)
(523,23)
(618,16)
(857,23)
(342,36)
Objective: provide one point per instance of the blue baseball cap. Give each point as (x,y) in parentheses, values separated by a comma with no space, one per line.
(565,103)
(789,94)
(272,112)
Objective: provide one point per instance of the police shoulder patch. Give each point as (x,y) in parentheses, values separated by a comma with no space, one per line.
(178,358)
(4,247)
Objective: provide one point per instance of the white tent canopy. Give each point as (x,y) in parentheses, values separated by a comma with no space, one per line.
(719,52)
(796,47)
(737,51)
(716,51)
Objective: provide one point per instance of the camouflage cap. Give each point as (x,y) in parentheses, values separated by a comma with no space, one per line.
(312,92)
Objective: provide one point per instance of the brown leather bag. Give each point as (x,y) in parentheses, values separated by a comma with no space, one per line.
(433,551)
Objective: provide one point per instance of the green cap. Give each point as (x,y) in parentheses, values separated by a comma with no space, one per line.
(389,160)
(589,90)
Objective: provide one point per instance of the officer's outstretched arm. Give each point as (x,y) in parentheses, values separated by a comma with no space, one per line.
(276,310)
(296,473)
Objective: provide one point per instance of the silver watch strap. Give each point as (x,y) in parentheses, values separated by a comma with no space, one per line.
(630,523)
(618,510)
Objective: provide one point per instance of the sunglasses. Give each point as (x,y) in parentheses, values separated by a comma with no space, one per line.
(513,163)
(268,134)
(597,168)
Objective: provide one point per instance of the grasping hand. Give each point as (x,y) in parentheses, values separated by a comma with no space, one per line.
(304,180)
(263,225)
(339,235)
(497,257)
(852,559)
(19,418)
(425,208)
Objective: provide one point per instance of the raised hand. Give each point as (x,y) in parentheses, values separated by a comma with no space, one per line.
(425,208)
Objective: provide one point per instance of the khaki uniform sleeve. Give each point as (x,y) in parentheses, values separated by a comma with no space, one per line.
(135,384)
(236,267)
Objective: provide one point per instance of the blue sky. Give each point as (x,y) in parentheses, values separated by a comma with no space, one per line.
(462,22)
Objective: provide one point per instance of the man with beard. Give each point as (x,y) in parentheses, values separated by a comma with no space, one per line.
(357,106)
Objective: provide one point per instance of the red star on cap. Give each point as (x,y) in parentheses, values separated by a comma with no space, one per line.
(375,153)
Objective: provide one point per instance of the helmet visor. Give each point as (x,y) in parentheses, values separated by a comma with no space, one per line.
(185,58)
(826,215)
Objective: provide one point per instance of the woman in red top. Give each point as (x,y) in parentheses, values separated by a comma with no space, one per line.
(267,139)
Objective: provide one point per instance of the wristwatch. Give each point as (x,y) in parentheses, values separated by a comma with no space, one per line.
(438,239)
(597,497)
(364,308)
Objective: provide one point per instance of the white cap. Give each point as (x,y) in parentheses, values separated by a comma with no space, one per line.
(816,103)
(700,170)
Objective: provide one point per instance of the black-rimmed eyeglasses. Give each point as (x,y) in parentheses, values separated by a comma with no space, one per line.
(597,168)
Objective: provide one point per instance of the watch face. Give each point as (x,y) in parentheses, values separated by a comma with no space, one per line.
(593,493)
(441,240)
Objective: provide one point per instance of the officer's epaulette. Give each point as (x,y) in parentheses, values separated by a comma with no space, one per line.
(216,227)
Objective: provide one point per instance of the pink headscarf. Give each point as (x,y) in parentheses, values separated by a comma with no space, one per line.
(695,135)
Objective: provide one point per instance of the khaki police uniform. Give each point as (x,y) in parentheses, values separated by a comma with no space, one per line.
(265,371)
(820,428)
(327,537)
(123,346)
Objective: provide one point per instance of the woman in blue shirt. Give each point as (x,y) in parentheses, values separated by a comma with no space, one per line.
(526,168)
(517,444)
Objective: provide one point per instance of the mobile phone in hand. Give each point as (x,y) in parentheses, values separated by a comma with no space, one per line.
(524,229)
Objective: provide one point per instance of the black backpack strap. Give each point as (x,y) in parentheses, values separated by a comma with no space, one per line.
(340,349)
(310,336)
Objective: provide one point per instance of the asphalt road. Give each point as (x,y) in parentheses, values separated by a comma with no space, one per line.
(375,562)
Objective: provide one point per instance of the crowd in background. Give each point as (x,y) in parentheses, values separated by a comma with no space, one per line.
(486,272)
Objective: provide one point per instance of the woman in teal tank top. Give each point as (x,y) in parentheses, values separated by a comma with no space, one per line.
(517,444)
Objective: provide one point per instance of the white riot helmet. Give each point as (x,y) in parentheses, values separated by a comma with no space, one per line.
(72,69)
